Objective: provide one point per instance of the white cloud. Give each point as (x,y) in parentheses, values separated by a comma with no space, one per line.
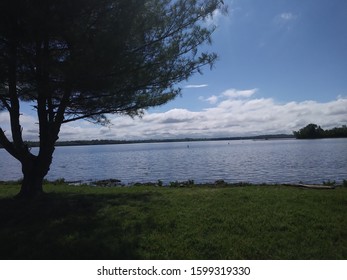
(28,123)
(233,93)
(233,117)
(212,99)
(233,113)
(230,94)
(196,86)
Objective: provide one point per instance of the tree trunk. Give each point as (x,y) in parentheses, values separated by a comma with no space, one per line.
(34,170)
(31,185)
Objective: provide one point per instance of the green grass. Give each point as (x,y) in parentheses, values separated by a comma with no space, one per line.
(250,222)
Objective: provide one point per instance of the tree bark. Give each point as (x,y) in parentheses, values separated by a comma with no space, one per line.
(32,185)
(34,169)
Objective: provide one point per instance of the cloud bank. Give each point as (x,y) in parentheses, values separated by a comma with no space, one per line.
(231,113)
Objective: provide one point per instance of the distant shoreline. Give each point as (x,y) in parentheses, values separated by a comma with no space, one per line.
(115,142)
(171,140)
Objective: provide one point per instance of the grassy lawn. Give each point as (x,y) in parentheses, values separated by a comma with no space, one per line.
(252,222)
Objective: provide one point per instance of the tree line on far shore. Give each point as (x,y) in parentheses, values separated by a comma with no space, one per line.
(112,141)
(314,131)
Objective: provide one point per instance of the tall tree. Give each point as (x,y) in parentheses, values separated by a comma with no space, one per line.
(84,59)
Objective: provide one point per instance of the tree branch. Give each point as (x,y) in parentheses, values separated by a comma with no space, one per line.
(9,147)
(16,128)
(5,103)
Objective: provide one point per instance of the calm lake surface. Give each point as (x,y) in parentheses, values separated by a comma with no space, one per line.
(271,161)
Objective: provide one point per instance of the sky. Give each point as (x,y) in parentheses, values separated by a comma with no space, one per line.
(282,65)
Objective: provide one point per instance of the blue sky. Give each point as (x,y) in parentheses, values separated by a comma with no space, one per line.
(288,49)
(282,64)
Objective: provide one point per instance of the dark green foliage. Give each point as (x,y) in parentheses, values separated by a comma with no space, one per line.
(310,131)
(336,132)
(313,131)
(98,57)
(85,59)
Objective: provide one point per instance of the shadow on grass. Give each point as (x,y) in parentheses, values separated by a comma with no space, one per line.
(174,223)
(72,226)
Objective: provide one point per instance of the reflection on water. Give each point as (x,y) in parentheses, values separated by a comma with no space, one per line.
(272,161)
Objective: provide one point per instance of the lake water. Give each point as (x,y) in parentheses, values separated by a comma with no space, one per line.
(270,161)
